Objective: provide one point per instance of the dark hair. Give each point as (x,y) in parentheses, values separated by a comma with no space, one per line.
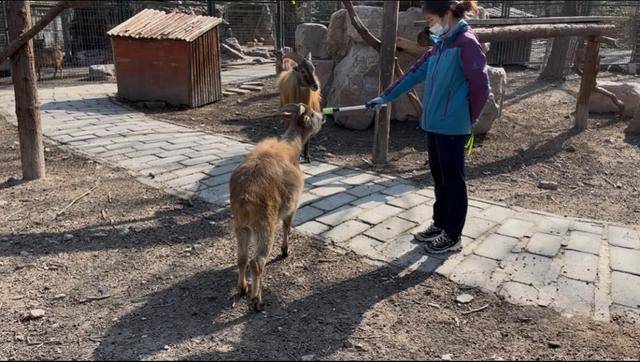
(458,8)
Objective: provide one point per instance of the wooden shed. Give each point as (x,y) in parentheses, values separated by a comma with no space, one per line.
(171,57)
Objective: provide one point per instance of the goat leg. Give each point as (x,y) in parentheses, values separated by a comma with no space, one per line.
(244,237)
(286,229)
(306,153)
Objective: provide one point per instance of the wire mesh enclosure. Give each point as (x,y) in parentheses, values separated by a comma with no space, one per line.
(80,34)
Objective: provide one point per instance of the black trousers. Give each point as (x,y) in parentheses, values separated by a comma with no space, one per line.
(446,160)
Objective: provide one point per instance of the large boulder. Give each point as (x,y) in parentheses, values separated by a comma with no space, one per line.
(492,109)
(102,71)
(626,90)
(324,70)
(312,38)
(355,81)
(341,35)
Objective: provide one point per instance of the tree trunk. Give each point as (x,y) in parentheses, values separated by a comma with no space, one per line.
(26,93)
(387,62)
(588,83)
(557,61)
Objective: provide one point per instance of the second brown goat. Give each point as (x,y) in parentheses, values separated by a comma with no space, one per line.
(264,189)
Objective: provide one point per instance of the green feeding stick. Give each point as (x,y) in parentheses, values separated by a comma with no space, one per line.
(331,110)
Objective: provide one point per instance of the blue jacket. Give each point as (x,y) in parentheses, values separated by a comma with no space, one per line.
(456,82)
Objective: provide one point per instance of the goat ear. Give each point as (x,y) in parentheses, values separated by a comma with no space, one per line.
(309,57)
(290,110)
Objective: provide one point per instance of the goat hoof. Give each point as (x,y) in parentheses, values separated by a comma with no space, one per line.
(285,252)
(242,291)
(257,305)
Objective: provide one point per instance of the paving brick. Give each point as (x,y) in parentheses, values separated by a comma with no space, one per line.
(401,247)
(625,260)
(142,153)
(363,245)
(346,231)
(587,227)
(496,246)
(150,146)
(328,190)
(544,244)
(474,271)
(624,289)
(379,214)
(186,180)
(215,195)
(529,269)
(340,215)
(419,214)
(166,161)
(585,242)
(216,180)
(554,226)
(318,168)
(334,201)
(365,190)
(389,229)
(476,227)
(118,151)
(428,192)
(324,179)
(580,266)
(410,200)
(360,179)
(574,296)
(312,228)
(372,201)
(347,172)
(308,198)
(517,293)
(399,190)
(138,163)
(305,214)
(199,160)
(623,237)
(515,228)
(497,214)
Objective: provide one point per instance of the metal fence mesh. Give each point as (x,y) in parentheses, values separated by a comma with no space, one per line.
(81,33)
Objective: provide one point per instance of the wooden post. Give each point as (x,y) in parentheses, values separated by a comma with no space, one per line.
(279,36)
(588,83)
(26,93)
(387,62)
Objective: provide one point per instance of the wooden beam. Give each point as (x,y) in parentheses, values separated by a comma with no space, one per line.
(410,47)
(20,41)
(588,83)
(549,20)
(525,32)
(23,74)
(387,61)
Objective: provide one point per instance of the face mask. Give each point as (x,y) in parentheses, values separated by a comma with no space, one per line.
(438,29)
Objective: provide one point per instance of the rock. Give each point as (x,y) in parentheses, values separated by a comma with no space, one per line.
(25,253)
(324,69)
(355,81)
(627,91)
(464,298)
(102,71)
(124,231)
(553,344)
(234,44)
(447,357)
(166,347)
(570,148)
(99,235)
(341,35)
(67,237)
(59,296)
(492,110)
(4,239)
(12,181)
(312,38)
(36,314)
(308,357)
(548,185)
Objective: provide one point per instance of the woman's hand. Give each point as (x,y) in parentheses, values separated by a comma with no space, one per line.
(375,104)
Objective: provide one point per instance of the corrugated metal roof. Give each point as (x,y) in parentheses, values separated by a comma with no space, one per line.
(155,24)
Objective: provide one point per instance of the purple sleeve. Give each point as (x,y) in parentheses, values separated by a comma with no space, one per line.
(474,66)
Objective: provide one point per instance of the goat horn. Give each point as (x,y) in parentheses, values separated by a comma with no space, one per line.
(293,108)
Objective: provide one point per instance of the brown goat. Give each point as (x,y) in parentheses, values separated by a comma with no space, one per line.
(298,83)
(264,189)
(49,58)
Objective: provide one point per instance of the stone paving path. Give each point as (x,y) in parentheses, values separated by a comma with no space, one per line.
(574,266)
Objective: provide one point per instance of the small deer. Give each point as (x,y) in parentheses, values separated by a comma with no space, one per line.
(298,83)
(49,58)
(264,189)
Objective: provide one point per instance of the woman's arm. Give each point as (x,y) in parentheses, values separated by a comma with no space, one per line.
(413,77)
(474,66)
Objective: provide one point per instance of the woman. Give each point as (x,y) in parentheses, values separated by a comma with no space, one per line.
(456,89)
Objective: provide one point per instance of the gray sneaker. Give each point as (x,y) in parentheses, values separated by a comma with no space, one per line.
(431,233)
(443,244)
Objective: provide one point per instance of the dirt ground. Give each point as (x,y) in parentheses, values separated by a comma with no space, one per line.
(130,273)
(596,170)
